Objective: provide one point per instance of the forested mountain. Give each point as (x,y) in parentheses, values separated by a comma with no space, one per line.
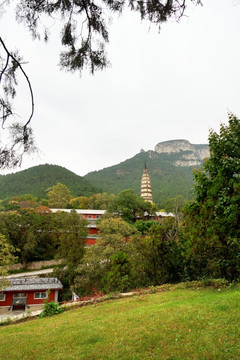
(36,180)
(170,167)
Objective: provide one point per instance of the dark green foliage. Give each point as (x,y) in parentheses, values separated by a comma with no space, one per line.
(143,226)
(119,275)
(123,260)
(99,201)
(65,294)
(175,205)
(157,258)
(34,234)
(167,180)
(38,179)
(128,206)
(50,309)
(100,262)
(6,206)
(211,225)
(41,236)
(6,258)
(72,233)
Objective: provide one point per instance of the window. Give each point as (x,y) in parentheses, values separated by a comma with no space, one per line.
(40,295)
(89,216)
(20,295)
(2,297)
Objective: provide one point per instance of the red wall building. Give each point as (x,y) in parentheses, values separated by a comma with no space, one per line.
(26,292)
(92,216)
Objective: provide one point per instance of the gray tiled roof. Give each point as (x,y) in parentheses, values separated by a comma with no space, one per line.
(81,211)
(24,284)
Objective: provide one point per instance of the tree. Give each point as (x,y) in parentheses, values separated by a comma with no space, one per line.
(143,226)
(32,232)
(28,201)
(100,201)
(6,257)
(72,231)
(176,206)
(28,197)
(119,275)
(59,196)
(84,35)
(101,259)
(212,221)
(157,257)
(128,205)
(80,202)
(18,229)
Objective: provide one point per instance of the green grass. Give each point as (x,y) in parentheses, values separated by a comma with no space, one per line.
(176,324)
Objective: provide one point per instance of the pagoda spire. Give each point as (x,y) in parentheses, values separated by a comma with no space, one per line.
(146,189)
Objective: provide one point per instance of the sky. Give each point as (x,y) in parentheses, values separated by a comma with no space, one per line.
(174,84)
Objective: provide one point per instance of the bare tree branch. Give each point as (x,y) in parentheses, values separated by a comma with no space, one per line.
(10,55)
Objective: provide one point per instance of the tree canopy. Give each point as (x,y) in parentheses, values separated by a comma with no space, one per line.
(6,257)
(211,224)
(92,272)
(128,205)
(59,196)
(84,34)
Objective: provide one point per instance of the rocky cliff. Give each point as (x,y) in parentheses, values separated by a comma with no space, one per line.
(189,154)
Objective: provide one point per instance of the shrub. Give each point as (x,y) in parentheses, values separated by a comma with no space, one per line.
(51,308)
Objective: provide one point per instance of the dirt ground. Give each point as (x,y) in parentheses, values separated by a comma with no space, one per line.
(5,313)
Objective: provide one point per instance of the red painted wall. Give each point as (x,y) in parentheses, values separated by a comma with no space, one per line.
(93,231)
(30,297)
(91,216)
(91,242)
(32,301)
(8,300)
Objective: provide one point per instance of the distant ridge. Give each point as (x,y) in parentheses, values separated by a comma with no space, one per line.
(170,167)
(36,180)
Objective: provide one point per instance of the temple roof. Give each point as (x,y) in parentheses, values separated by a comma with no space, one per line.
(24,284)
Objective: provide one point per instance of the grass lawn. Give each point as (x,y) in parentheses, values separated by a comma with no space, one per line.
(175,324)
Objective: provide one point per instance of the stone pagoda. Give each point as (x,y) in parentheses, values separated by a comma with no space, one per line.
(146,189)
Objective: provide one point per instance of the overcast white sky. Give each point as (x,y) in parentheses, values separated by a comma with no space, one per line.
(174,85)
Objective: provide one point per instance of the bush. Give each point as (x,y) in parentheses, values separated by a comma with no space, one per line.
(51,308)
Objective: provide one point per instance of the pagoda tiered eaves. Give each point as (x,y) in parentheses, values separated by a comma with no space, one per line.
(146,189)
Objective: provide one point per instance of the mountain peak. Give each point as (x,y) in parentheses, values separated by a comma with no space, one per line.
(192,155)
(174,146)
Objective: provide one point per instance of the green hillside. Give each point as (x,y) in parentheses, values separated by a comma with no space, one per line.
(183,324)
(36,180)
(168,180)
